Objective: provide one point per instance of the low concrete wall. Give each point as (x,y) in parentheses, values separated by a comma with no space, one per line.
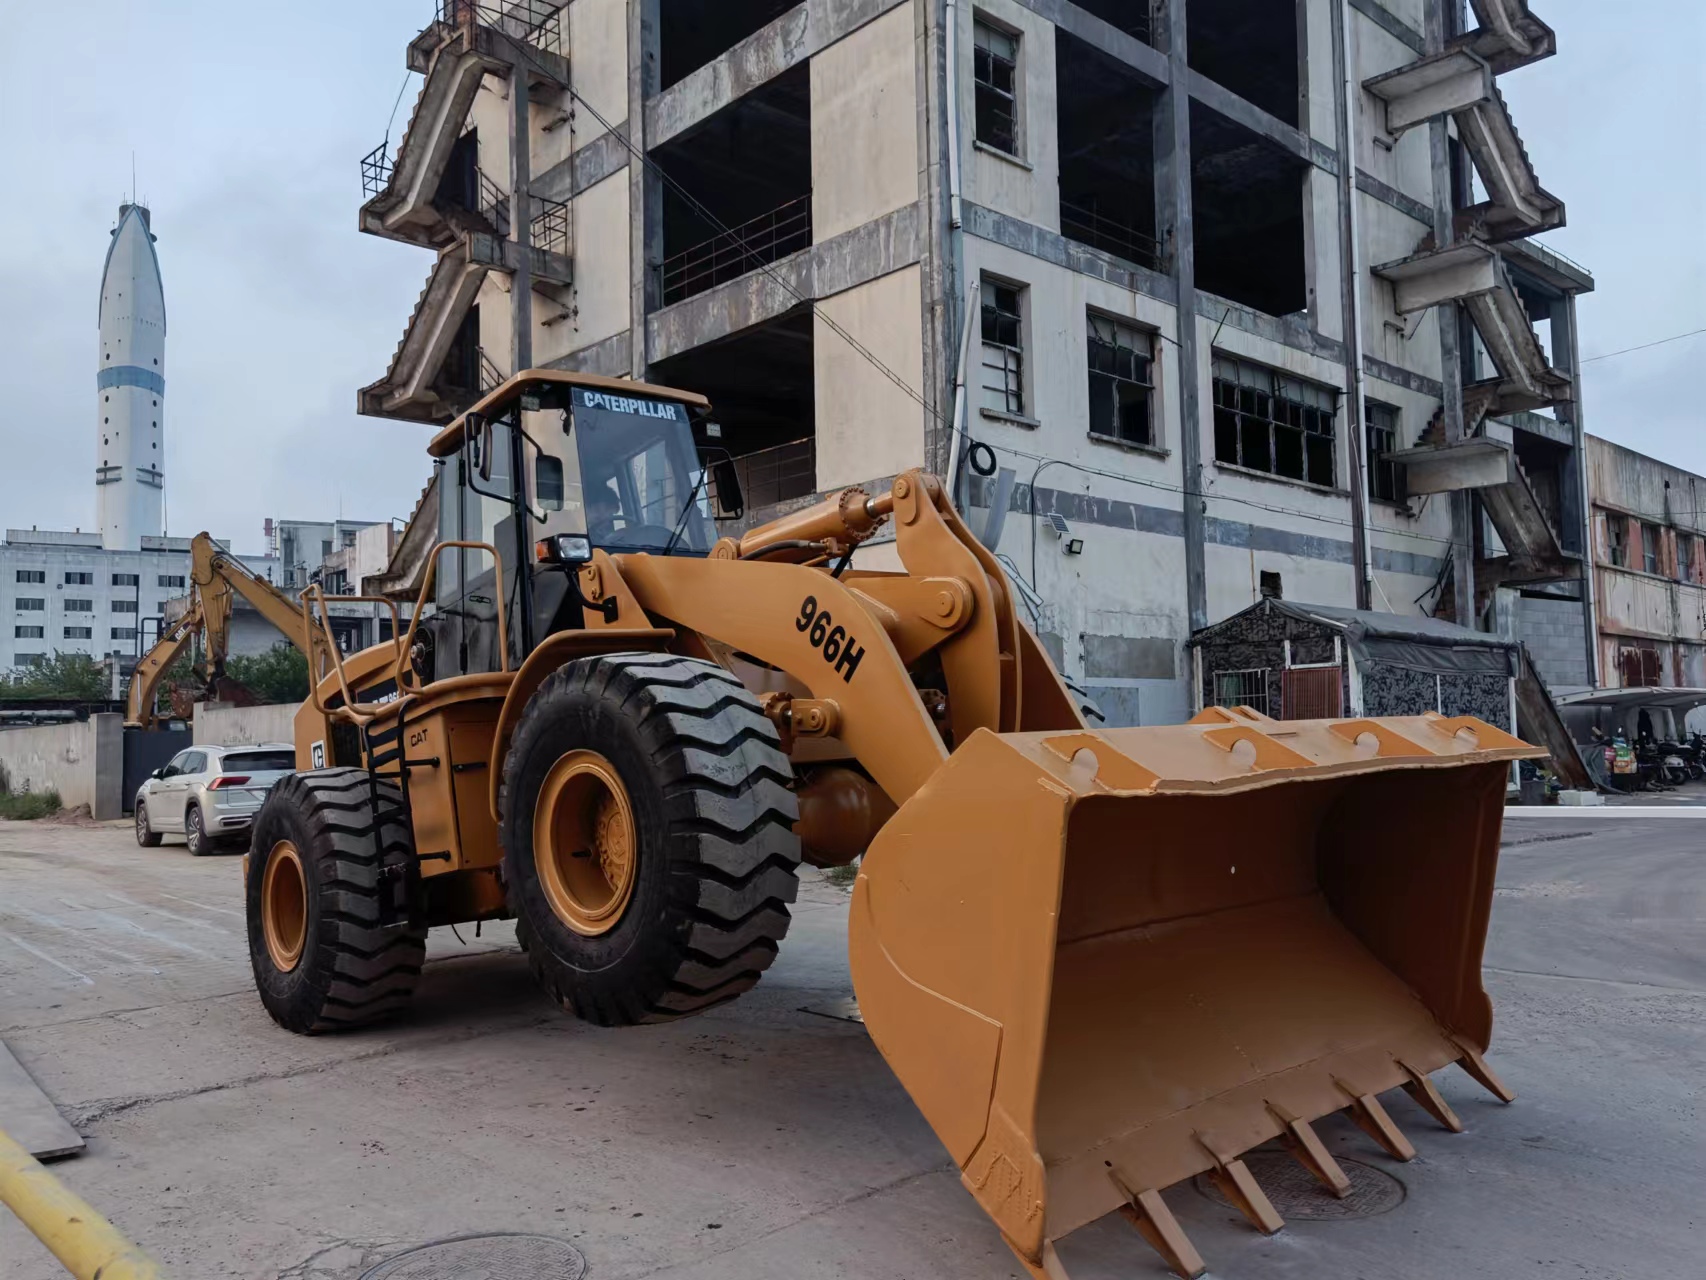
(223,726)
(83,761)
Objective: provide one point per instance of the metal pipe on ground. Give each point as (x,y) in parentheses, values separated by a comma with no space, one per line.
(86,1244)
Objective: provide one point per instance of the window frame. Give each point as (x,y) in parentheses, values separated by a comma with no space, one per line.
(988,89)
(72,633)
(26,632)
(1374,448)
(1122,327)
(131,633)
(1240,400)
(1652,548)
(79,578)
(31,577)
(1617,540)
(1011,366)
(126,580)
(30,604)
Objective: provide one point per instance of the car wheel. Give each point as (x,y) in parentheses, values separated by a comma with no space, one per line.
(146,836)
(195,834)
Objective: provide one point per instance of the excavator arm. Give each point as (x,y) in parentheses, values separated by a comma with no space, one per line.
(216,580)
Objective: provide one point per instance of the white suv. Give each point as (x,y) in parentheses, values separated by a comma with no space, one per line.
(211,794)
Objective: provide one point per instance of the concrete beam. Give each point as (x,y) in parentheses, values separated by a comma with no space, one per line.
(793,38)
(1151,64)
(591,165)
(1223,101)
(1062,251)
(843,262)
(1288,331)
(1448,82)
(1393,198)
(1509,36)
(1425,280)
(1449,468)
(1391,24)
(611,358)
(1399,376)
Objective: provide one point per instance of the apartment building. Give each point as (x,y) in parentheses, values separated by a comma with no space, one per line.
(1649,573)
(1192,303)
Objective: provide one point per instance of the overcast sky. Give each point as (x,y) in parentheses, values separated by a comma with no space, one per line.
(248,124)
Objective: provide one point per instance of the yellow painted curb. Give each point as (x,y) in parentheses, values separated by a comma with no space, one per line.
(88,1246)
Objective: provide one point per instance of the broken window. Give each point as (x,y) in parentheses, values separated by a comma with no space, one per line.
(1106,124)
(1385,480)
(1617,540)
(1003,349)
(1129,16)
(1269,421)
(997,76)
(1272,586)
(1685,566)
(1651,560)
(1122,377)
(1247,197)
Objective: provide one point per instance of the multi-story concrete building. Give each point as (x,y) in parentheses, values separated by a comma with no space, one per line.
(1649,553)
(1208,280)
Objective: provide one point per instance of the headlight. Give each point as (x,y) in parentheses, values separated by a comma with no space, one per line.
(564,548)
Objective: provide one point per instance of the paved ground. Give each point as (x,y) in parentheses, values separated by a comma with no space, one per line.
(764,1143)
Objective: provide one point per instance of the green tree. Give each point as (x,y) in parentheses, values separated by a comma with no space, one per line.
(278,675)
(75,677)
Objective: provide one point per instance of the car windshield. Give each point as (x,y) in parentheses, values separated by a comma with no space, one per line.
(260,761)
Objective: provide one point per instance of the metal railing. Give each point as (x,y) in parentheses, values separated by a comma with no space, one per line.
(1110,235)
(773,475)
(491,377)
(376,167)
(731,254)
(540,23)
(551,227)
(493,203)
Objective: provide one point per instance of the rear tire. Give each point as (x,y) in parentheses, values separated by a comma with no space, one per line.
(195,833)
(146,836)
(694,914)
(322,960)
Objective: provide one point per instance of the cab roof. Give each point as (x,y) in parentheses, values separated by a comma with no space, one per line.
(449,440)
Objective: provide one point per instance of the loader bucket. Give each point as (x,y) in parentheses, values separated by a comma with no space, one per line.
(1103,962)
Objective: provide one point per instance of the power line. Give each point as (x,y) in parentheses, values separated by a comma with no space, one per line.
(1659,342)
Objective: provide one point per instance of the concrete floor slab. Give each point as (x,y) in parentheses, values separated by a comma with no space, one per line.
(763,1142)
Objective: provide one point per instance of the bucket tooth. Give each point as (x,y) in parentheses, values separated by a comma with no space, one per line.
(1148,1212)
(1372,1119)
(1307,1149)
(1050,1268)
(1419,1087)
(1243,1192)
(1482,1074)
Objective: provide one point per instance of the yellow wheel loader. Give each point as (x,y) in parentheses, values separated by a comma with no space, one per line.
(1100,961)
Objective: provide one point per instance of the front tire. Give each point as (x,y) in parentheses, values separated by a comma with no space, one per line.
(323,955)
(146,836)
(649,850)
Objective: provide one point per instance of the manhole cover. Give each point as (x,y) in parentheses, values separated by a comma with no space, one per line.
(501,1257)
(1296,1193)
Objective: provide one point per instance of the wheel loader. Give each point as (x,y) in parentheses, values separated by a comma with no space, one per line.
(1101,961)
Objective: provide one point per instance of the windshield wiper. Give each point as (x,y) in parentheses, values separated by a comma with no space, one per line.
(681,524)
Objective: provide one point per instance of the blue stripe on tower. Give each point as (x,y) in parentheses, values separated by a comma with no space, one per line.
(130,375)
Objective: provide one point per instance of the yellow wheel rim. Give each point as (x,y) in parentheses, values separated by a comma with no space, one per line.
(584,843)
(284,906)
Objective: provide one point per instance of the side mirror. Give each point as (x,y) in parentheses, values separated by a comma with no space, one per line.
(159,773)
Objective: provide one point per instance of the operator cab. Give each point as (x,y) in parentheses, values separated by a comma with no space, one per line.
(549,468)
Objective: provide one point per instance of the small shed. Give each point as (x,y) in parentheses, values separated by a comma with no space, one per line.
(1305,662)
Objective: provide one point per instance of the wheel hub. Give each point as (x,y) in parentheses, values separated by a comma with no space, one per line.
(584,843)
(284,906)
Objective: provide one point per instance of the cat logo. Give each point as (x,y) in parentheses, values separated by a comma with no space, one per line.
(317,755)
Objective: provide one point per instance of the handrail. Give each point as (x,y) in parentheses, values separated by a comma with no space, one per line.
(315,602)
(403,668)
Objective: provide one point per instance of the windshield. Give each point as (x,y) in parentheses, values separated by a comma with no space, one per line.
(261,761)
(638,484)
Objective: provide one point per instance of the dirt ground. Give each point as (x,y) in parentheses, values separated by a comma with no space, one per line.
(767,1143)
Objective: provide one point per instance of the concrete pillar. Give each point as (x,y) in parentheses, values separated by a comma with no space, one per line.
(645,187)
(107,762)
(521,213)
(1567,356)
(1173,231)
(1350,288)
(944,297)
